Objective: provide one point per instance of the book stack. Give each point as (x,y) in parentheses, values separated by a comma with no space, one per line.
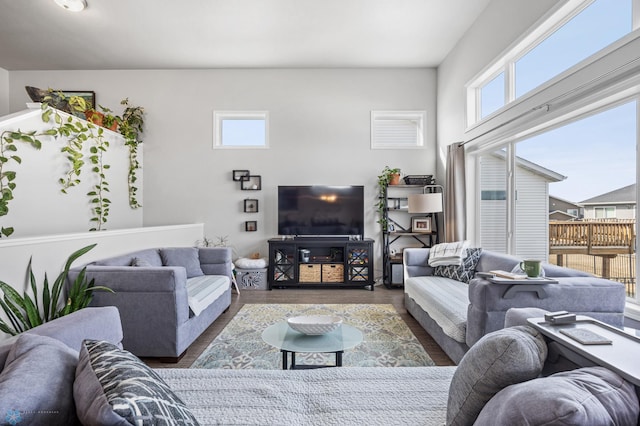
(509,275)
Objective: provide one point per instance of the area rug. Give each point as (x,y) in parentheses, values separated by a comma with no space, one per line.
(387,342)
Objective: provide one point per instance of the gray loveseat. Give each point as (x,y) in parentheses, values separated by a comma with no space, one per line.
(166,297)
(457,314)
(49,375)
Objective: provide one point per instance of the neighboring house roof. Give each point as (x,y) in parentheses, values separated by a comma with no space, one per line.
(624,195)
(560,215)
(573,203)
(547,174)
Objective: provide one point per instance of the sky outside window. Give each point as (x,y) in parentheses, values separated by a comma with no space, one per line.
(596,27)
(492,95)
(243,132)
(597,154)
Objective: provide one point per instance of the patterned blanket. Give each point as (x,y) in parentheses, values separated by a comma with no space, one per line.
(448,253)
(329,396)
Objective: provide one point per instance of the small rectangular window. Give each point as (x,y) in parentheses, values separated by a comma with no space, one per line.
(498,195)
(397,129)
(605,212)
(240,129)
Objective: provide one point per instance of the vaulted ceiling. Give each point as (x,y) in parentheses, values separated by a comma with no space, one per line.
(193,34)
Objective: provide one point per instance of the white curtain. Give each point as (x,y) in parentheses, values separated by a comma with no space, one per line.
(455,212)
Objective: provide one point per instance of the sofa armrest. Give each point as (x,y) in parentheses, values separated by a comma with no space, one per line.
(216,260)
(141,293)
(416,262)
(596,297)
(89,323)
(97,323)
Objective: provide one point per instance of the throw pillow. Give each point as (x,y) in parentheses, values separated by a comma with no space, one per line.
(114,387)
(463,272)
(140,262)
(36,384)
(497,360)
(587,396)
(186,257)
(244,263)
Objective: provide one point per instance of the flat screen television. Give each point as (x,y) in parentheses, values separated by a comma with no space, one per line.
(320,210)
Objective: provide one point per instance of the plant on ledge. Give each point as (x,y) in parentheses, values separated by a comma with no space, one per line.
(26,312)
(76,133)
(384,180)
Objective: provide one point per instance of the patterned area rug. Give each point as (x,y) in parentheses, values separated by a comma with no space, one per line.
(387,342)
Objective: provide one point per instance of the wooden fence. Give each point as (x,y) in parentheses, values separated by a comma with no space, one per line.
(604,248)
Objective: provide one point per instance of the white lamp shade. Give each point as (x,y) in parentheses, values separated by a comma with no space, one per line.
(425,203)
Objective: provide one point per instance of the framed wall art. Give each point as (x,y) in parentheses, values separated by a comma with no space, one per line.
(88,96)
(421,224)
(239,174)
(251,183)
(250,205)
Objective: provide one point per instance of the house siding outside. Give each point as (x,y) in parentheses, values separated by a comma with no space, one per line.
(621,200)
(493,214)
(532,211)
(532,208)
(567,207)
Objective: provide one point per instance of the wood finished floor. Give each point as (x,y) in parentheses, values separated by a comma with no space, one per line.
(327,296)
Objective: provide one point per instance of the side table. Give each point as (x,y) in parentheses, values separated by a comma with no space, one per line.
(620,356)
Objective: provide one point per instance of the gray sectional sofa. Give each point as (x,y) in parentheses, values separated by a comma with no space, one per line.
(52,375)
(457,314)
(166,296)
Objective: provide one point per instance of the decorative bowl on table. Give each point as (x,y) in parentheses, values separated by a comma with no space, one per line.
(315,324)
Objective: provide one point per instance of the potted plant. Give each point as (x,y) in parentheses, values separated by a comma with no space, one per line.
(388,177)
(104,119)
(26,311)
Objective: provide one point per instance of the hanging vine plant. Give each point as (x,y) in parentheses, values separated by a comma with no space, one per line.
(130,126)
(98,195)
(8,149)
(77,132)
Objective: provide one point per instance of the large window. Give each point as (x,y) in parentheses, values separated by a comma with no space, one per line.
(564,130)
(592,160)
(577,31)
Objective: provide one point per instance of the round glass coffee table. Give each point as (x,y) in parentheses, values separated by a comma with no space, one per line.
(289,341)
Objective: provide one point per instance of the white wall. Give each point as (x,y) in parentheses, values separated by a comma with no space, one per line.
(4,92)
(319,134)
(501,23)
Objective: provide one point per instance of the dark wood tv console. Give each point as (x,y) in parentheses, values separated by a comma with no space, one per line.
(320,263)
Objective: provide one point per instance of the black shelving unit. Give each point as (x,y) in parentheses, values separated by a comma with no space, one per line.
(399,234)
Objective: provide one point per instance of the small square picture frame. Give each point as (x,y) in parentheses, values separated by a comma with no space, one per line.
(250,205)
(251,183)
(421,225)
(251,226)
(239,174)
